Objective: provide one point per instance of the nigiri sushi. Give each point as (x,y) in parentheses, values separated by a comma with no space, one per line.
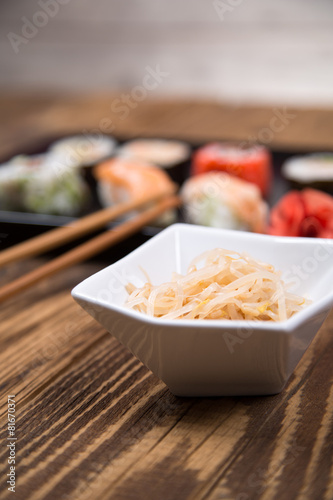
(122,180)
(251,163)
(218,199)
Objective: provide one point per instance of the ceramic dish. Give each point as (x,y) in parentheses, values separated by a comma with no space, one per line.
(214,357)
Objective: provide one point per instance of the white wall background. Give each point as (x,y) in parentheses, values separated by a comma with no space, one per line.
(262,51)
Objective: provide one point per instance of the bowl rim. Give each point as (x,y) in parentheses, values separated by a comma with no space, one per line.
(286,326)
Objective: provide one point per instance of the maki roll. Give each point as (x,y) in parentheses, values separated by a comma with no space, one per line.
(312,170)
(172,156)
(83,150)
(251,163)
(14,178)
(34,184)
(217,199)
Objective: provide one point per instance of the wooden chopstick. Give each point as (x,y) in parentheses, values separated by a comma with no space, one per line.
(64,234)
(90,248)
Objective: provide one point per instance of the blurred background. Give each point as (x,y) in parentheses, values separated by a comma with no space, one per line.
(238,51)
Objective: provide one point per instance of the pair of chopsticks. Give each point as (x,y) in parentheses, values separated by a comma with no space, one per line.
(158,204)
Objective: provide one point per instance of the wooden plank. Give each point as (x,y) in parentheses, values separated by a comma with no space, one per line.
(92,421)
(33,120)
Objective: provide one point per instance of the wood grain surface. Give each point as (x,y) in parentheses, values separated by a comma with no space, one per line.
(29,120)
(93,422)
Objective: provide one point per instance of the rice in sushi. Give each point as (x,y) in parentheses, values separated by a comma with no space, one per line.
(83,150)
(34,184)
(217,199)
(312,170)
(120,180)
(161,152)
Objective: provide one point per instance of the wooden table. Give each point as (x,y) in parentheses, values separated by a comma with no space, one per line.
(93,422)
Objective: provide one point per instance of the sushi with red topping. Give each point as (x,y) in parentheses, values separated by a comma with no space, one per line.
(251,163)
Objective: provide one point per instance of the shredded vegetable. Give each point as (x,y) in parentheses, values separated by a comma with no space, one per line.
(219,284)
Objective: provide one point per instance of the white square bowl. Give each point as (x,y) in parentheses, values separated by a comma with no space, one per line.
(214,357)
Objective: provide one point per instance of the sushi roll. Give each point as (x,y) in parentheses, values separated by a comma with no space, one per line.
(33,161)
(251,163)
(122,180)
(33,184)
(13,179)
(217,199)
(48,193)
(83,150)
(172,156)
(312,170)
